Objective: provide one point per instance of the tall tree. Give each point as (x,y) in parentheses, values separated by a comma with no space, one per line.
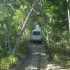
(68,1)
(23,28)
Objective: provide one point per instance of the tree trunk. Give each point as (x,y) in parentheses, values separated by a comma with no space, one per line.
(23,28)
(69,13)
(7,37)
(21,33)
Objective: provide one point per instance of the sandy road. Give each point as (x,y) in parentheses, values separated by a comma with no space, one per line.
(37,60)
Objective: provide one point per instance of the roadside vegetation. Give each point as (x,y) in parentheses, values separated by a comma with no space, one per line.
(57,43)
(50,15)
(11,22)
(58,50)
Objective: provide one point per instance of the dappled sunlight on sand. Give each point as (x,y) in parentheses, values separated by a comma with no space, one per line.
(39,59)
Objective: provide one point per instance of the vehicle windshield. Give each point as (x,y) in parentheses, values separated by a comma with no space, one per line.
(36,33)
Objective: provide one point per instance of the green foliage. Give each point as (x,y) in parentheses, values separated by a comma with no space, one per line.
(19,15)
(59,48)
(61,60)
(58,43)
(18,20)
(7,61)
(56,11)
(54,28)
(12,18)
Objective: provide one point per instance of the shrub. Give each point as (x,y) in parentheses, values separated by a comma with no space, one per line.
(6,62)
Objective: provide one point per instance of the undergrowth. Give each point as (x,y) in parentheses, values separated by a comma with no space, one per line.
(58,49)
(6,62)
(9,61)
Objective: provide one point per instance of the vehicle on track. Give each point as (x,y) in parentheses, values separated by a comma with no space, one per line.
(36,35)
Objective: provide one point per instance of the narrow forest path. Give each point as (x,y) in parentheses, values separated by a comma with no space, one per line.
(37,60)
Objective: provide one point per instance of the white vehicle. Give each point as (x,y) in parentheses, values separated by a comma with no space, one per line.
(36,35)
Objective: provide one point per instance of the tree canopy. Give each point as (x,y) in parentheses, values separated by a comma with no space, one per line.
(50,15)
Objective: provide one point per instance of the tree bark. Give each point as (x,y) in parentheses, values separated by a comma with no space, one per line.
(69,13)
(23,28)
(21,33)
(7,37)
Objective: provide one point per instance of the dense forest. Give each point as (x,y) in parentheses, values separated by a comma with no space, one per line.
(19,17)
